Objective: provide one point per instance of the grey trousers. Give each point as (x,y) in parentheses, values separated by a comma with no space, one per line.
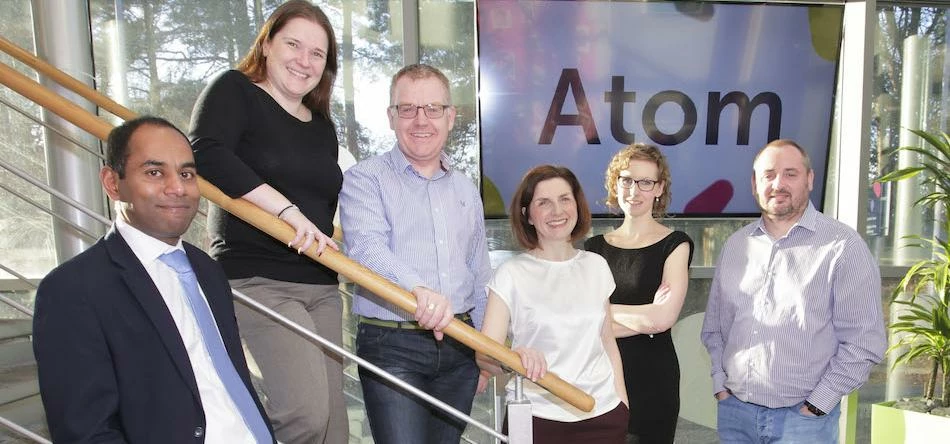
(303,383)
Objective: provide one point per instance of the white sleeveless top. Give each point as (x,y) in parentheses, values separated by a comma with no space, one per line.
(558,308)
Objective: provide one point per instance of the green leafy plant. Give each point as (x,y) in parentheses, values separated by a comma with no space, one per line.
(925,320)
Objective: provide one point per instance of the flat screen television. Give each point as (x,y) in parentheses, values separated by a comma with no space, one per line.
(572,82)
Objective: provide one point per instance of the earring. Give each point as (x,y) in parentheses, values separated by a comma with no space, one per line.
(656,199)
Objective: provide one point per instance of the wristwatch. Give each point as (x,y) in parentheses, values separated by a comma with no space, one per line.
(814,410)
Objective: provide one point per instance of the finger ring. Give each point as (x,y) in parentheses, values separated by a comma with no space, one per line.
(431,306)
(310,233)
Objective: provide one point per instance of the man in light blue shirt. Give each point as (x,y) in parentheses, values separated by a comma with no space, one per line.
(794,319)
(408,216)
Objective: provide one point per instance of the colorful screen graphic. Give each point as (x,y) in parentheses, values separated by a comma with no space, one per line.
(572,82)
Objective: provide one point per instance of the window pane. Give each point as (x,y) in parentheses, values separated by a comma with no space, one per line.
(447,41)
(909,77)
(371,51)
(908,81)
(25,231)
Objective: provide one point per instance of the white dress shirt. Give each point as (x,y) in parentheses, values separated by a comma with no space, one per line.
(224,423)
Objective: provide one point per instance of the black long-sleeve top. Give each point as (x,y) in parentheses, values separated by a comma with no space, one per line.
(242,138)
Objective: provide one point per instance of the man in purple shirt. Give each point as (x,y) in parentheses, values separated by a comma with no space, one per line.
(794,319)
(410,217)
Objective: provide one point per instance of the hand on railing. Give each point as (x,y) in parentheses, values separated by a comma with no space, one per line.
(433,311)
(533,361)
(306,232)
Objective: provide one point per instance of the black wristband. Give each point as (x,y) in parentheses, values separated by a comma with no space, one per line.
(814,410)
(281,212)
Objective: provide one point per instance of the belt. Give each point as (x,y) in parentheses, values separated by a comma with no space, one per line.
(406,325)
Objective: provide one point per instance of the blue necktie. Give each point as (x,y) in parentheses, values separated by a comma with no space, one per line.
(215,346)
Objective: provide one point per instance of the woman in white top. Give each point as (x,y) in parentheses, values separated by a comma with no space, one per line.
(553,302)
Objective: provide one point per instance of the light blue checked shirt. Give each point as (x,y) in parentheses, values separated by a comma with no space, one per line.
(415,231)
(797,318)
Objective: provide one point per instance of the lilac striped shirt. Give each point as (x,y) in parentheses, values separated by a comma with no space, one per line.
(415,231)
(798,318)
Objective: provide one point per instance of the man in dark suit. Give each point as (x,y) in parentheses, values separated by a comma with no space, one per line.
(126,346)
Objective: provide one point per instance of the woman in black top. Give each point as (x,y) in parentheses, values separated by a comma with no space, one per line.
(650,265)
(263,133)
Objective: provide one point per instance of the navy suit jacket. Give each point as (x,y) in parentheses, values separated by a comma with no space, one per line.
(112,365)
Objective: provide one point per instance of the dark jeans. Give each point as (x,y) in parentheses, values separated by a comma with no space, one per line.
(444,369)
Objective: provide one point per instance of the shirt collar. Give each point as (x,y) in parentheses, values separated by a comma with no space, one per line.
(807,221)
(401,163)
(145,247)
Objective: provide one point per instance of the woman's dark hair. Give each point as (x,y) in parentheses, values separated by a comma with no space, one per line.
(524,232)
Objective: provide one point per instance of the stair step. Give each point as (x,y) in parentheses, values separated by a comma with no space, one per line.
(27,412)
(17,383)
(15,328)
(16,353)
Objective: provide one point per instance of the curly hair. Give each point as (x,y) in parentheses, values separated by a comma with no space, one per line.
(621,161)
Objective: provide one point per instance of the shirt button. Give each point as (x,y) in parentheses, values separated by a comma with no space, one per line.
(199,432)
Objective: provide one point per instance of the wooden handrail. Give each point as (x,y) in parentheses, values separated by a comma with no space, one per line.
(90,94)
(278,229)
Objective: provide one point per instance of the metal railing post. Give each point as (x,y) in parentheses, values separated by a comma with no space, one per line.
(498,407)
(520,430)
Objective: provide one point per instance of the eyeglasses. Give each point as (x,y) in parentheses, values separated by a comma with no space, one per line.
(642,184)
(409,111)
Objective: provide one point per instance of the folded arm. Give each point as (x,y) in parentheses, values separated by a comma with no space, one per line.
(662,314)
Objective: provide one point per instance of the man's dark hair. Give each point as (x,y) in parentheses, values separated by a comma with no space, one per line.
(117,144)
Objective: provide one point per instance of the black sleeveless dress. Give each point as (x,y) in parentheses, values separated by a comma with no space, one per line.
(650,367)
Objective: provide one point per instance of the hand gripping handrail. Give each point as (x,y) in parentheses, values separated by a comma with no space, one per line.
(271,225)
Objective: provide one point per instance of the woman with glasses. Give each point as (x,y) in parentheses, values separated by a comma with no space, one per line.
(650,265)
(263,132)
(553,302)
